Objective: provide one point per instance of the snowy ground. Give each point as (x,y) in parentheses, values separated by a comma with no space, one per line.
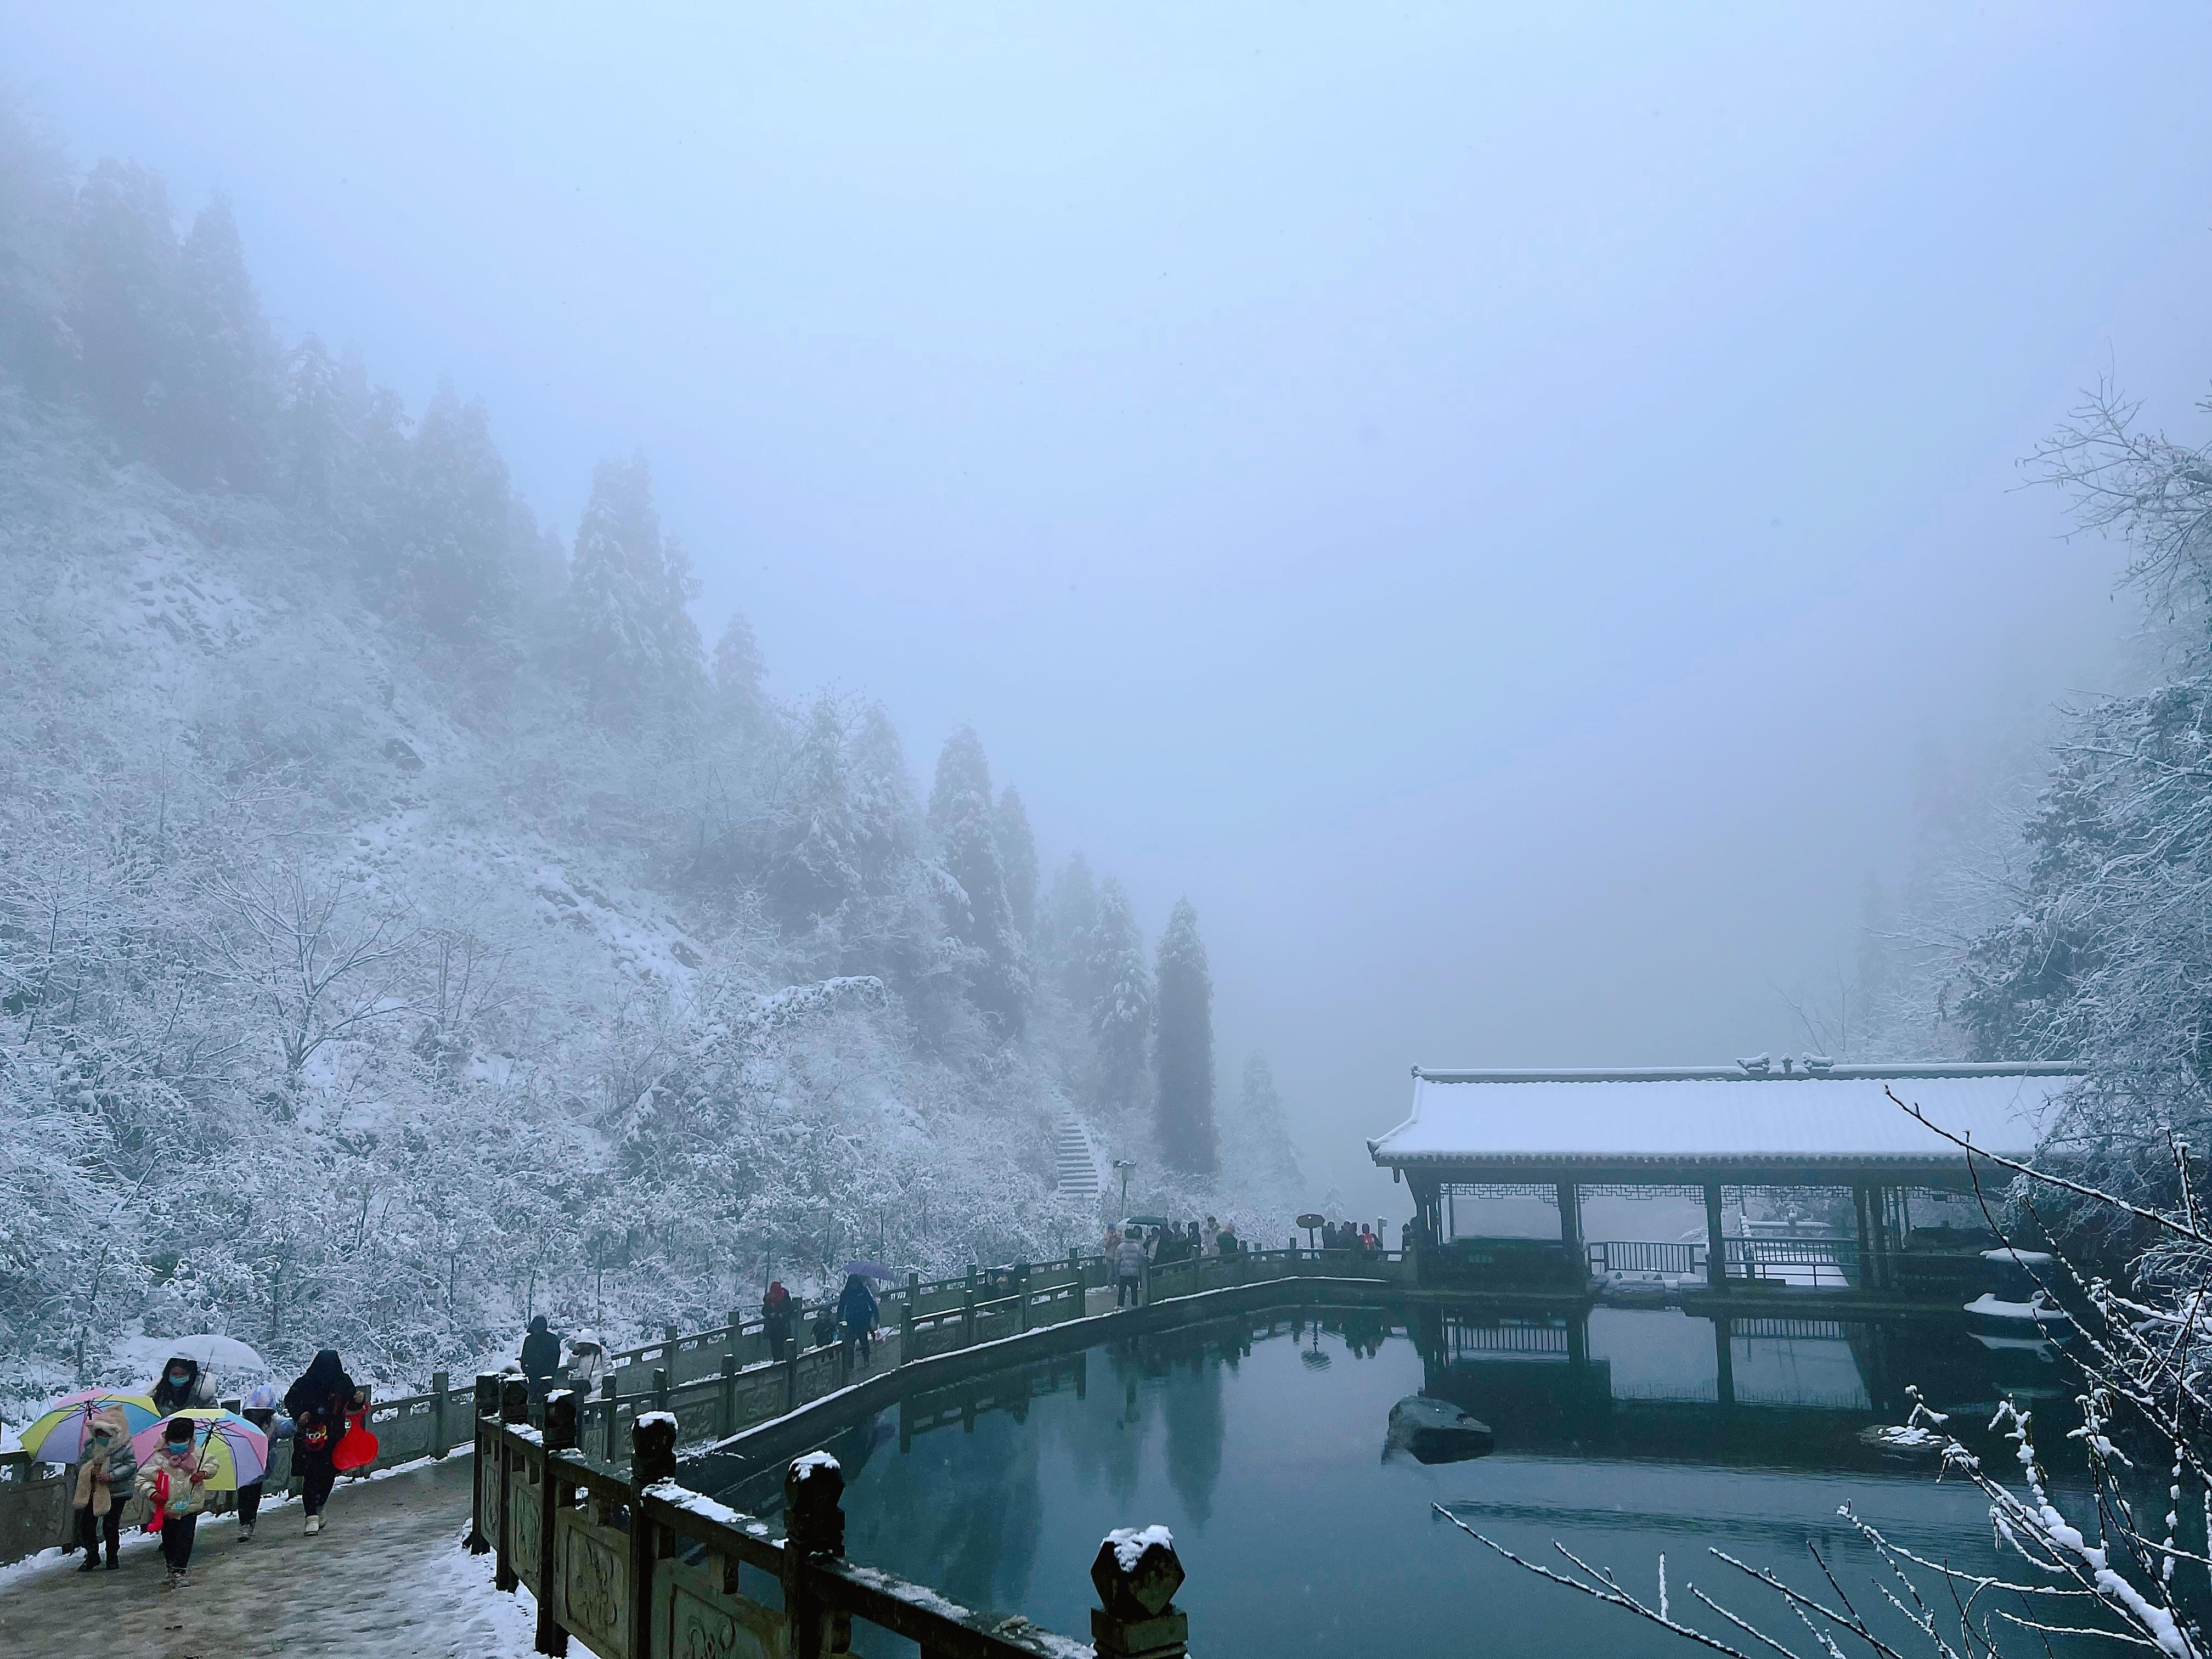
(387,1579)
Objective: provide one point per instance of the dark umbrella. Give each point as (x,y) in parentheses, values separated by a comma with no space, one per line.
(871,1270)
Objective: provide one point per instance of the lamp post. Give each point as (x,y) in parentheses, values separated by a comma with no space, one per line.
(1124,1166)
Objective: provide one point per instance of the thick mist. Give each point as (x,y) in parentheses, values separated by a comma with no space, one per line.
(1515,516)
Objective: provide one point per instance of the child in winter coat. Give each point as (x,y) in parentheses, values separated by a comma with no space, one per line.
(174,1480)
(103,1485)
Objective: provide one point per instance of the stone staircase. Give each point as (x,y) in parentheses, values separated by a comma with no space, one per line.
(1075,1160)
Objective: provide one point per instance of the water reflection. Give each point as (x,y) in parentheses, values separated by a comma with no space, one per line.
(1620,1433)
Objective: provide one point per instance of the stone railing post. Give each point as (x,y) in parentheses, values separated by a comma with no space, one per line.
(906,1331)
(440,1385)
(553,1496)
(514,1411)
(814,1527)
(487,1405)
(669,1335)
(660,1388)
(791,1376)
(1137,1574)
(727,1416)
(968,1318)
(609,1413)
(652,1457)
(1022,1299)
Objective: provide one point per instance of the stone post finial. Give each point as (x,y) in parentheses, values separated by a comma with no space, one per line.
(513,1399)
(1137,1574)
(813,1493)
(652,1447)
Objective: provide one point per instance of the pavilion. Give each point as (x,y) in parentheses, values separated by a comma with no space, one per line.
(1701,1131)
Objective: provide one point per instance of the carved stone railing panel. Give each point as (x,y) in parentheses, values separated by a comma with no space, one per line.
(522,1524)
(591,1596)
(696,1617)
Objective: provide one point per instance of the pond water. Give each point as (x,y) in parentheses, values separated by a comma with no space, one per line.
(1622,1434)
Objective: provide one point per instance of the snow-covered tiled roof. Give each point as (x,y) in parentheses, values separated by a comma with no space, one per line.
(1731,1116)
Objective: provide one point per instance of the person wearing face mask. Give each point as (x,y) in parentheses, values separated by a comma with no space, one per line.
(181,1384)
(174,1480)
(103,1485)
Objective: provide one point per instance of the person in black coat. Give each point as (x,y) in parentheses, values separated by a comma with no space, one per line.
(541,1358)
(317,1405)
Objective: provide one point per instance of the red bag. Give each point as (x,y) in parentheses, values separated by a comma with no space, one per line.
(160,1515)
(357,1448)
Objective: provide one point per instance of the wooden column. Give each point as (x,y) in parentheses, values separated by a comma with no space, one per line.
(1570,1224)
(652,1457)
(1724,1359)
(1716,1241)
(514,1410)
(1866,1212)
(553,1496)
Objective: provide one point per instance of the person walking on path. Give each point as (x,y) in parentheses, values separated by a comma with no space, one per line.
(857,1312)
(319,1402)
(777,1316)
(1128,1269)
(260,1410)
(103,1486)
(174,1480)
(181,1384)
(541,1359)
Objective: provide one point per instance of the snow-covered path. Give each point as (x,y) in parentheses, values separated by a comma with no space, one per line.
(387,1579)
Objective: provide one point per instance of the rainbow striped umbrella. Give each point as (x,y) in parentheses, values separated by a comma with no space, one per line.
(58,1434)
(235,1453)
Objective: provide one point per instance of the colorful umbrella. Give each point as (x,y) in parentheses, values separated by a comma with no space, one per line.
(57,1435)
(236,1453)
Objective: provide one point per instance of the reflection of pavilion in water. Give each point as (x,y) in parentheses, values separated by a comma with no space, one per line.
(1661,1382)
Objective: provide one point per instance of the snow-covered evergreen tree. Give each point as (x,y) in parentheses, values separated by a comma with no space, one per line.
(739,671)
(1017,857)
(1255,1143)
(1069,914)
(963,820)
(1122,1000)
(222,400)
(453,561)
(631,643)
(1184,1048)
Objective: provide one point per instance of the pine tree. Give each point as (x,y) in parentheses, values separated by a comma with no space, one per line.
(631,643)
(814,871)
(220,412)
(1064,929)
(311,437)
(1255,1144)
(965,823)
(1121,1002)
(1188,1140)
(738,671)
(1018,857)
(123,300)
(454,564)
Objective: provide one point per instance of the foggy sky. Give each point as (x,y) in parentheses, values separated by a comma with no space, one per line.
(1498,506)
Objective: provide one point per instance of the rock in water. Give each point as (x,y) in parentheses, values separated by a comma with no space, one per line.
(1436,1431)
